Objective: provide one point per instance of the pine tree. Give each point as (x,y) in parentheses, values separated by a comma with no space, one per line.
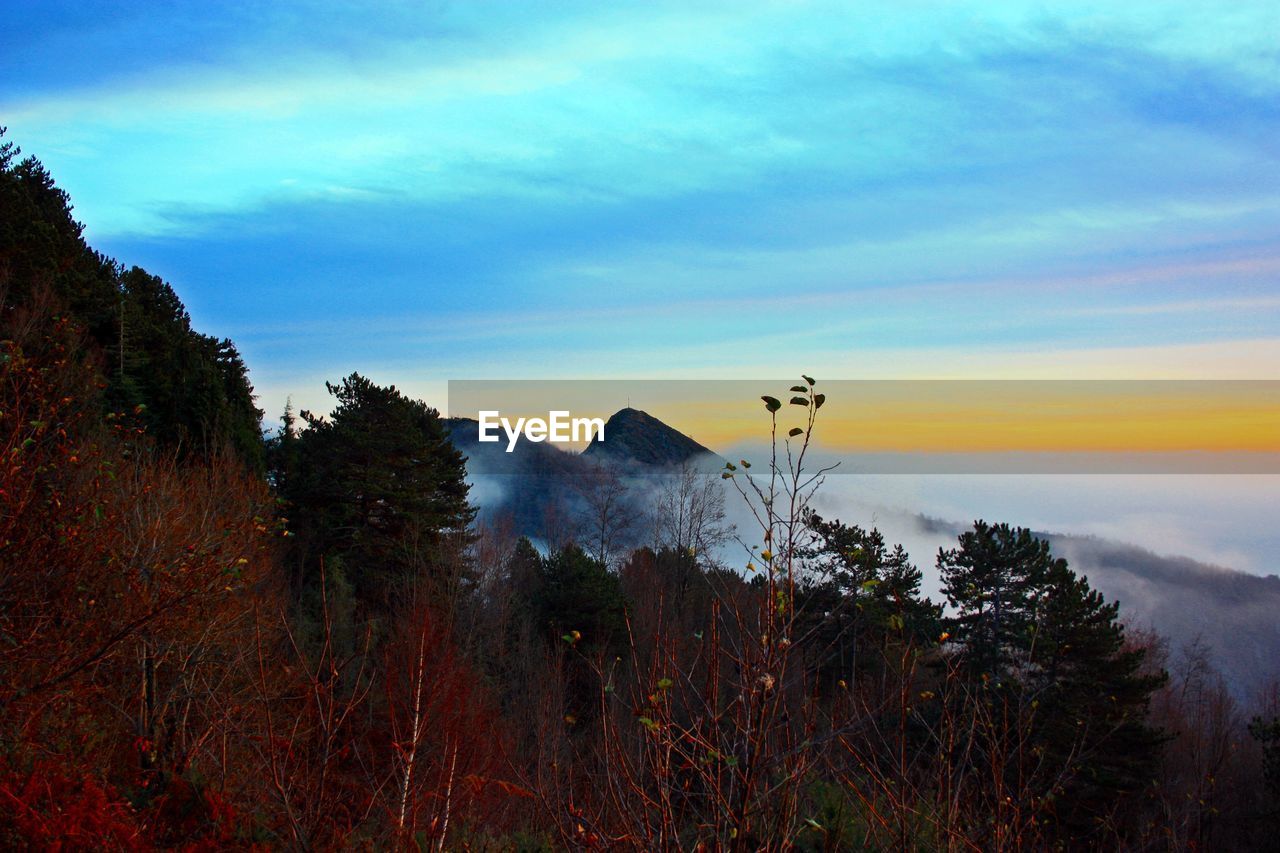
(578,593)
(1267,733)
(1095,693)
(991,580)
(858,595)
(380,485)
(582,611)
(1077,693)
(190,391)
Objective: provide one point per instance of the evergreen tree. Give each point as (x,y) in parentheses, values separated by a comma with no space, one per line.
(380,485)
(1095,695)
(189,390)
(857,596)
(578,593)
(1267,733)
(581,608)
(1076,692)
(992,580)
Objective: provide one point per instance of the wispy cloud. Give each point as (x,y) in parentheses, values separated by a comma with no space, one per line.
(877,189)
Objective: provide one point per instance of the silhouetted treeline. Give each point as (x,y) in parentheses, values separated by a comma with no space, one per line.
(189,390)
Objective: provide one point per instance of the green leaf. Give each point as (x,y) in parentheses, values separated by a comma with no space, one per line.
(665,683)
(818,400)
(799,401)
(800,389)
(808,379)
(726,476)
(771,403)
(795,431)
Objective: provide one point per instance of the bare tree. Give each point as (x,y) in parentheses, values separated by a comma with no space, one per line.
(607,520)
(689,516)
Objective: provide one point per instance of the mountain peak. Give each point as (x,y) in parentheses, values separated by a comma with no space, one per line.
(633,435)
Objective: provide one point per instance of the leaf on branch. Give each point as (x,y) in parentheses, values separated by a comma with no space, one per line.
(795,431)
(799,401)
(771,403)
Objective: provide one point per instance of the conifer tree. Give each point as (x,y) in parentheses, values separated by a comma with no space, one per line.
(1095,693)
(189,390)
(1075,690)
(857,592)
(379,485)
(578,593)
(992,581)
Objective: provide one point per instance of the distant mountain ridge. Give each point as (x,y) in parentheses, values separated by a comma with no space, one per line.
(1232,612)
(536,478)
(635,436)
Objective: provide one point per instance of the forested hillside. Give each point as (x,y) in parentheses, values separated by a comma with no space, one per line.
(213,640)
(190,391)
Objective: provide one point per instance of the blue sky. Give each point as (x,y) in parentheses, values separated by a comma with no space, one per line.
(433,191)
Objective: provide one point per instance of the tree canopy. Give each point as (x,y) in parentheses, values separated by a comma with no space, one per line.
(376,485)
(190,391)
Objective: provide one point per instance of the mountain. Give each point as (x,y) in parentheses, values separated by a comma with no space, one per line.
(635,436)
(538,484)
(1234,613)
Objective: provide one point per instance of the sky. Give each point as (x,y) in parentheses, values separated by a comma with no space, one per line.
(431,191)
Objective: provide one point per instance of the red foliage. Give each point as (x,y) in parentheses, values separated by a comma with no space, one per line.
(441,743)
(52,807)
(127,583)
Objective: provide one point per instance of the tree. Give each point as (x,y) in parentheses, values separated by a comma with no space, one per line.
(991,580)
(608,515)
(1071,695)
(1096,692)
(189,390)
(380,486)
(856,595)
(690,514)
(128,583)
(579,594)
(1267,733)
